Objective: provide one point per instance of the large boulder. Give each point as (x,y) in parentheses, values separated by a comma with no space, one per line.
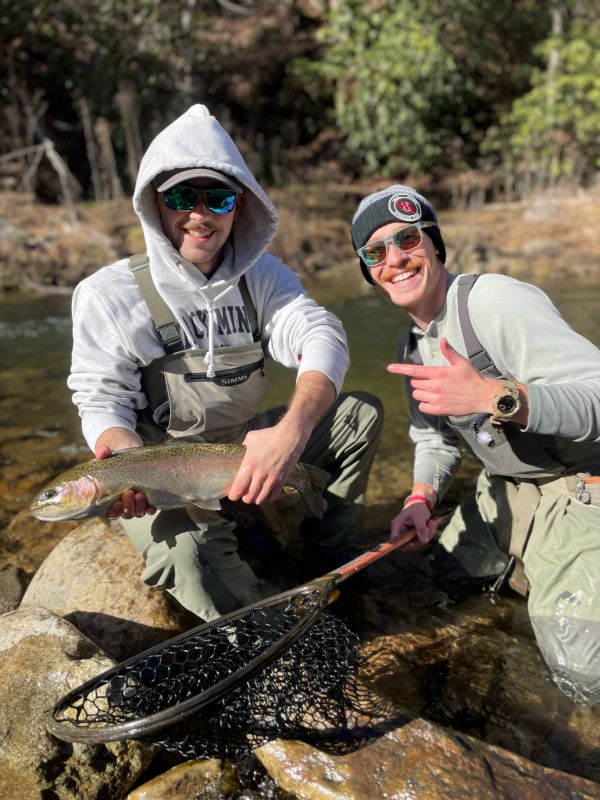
(92,578)
(42,657)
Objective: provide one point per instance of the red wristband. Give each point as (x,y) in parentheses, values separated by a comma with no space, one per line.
(417,498)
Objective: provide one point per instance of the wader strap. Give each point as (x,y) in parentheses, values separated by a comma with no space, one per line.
(166,326)
(250,308)
(476,353)
(527,502)
(407,351)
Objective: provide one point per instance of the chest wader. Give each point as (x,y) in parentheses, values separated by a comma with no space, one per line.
(526,462)
(192,553)
(182,400)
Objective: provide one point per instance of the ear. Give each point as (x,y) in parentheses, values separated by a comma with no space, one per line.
(239,204)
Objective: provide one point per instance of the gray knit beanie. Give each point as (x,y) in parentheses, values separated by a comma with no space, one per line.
(397,203)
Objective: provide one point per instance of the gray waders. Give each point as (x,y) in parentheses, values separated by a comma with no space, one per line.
(539,529)
(193,553)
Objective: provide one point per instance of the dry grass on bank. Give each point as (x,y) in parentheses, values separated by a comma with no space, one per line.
(542,236)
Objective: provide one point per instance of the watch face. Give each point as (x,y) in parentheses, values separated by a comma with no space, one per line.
(506,404)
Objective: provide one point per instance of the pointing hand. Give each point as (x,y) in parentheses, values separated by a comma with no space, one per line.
(457,389)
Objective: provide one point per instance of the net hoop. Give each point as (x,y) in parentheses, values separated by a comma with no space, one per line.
(68,730)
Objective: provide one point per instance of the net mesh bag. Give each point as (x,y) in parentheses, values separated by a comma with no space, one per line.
(280,669)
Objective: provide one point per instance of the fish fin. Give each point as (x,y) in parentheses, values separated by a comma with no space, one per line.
(318,477)
(208,504)
(312,498)
(164,500)
(105,501)
(198,515)
(315,504)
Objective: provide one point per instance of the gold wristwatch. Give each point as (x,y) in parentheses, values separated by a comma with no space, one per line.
(506,403)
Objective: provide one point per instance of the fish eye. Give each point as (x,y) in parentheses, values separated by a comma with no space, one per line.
(51,493)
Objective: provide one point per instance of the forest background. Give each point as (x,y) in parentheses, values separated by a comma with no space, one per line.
(471,101)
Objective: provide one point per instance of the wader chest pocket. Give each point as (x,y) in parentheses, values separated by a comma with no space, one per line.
(226,377)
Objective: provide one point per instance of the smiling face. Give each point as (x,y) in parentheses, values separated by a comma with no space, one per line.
(414,280)
(199,235)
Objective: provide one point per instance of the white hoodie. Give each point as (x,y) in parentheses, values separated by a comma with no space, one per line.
(113,332)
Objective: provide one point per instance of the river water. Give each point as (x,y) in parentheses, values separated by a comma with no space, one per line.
(40,436)
(35,342)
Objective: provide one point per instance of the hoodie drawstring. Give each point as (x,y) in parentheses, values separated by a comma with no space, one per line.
(210,323)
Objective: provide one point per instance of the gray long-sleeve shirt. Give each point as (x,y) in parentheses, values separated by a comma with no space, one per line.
(527,339)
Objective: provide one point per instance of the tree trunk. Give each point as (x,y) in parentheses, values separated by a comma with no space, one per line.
(126,102)
(90,146)
(558,17)
(110,177)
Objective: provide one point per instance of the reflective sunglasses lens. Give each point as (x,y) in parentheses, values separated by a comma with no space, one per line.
(374,253)
(181,197)
(220,201)
(408,238)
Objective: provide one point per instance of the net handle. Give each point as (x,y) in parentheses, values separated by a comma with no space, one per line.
(365,559)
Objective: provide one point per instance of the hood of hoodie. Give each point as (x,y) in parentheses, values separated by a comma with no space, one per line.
(196,139)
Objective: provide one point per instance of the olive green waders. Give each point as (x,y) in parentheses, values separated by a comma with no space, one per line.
(552,528)
(194,555)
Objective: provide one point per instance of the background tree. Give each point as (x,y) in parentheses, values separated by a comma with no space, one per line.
(550,134)
(339,88)
(416,85)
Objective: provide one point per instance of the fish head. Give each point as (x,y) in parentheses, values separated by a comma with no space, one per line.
(70,499)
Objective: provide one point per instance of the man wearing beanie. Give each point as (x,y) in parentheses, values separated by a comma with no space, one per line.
(490,364)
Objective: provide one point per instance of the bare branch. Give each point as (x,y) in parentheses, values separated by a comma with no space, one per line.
(233,7)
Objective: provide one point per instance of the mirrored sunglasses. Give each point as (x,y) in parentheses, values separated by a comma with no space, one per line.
(185,197)
(375,253)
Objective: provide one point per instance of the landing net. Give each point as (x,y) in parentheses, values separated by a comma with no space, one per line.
(225,687)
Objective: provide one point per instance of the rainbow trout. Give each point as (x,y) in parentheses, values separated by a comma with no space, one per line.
(173,475)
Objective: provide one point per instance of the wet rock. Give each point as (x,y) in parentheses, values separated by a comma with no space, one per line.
(194,780)
(92,578)
(415,761)
(42,657)
(27,541)
(469,664)
(13,582)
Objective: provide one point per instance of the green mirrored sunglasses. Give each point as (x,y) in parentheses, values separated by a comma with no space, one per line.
(185,197)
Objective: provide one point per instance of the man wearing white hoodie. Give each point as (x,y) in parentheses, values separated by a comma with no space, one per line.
(173,344)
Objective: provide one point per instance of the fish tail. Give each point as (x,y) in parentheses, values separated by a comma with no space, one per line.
(312,495)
